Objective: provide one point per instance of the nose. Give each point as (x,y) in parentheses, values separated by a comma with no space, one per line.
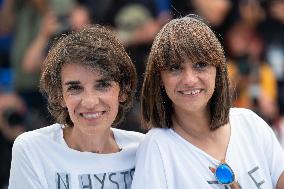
(189,76)
(90,99)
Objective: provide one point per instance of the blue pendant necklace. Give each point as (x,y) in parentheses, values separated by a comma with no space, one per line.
(225,175)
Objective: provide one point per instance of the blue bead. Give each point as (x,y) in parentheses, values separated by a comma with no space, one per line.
(224,174)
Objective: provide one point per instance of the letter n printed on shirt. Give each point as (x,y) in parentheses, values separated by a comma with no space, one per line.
(62,181)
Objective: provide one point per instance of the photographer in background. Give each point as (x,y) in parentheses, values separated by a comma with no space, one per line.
(52,27)
(14,120)
(23,19)
(12,123)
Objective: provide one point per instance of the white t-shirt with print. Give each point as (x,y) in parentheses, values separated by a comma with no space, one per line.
(165,160)
(42,159)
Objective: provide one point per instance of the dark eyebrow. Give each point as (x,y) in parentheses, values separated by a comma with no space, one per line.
(78,82)
(72,83)
(104,79)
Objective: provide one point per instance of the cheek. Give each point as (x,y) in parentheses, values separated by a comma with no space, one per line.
(113,98)
(211,83)
(167,87)
(70,103)
(211,76)
(70,109)
(168,82)
(170,85)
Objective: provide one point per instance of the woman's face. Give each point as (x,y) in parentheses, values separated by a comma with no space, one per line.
(189,86)
(92,100)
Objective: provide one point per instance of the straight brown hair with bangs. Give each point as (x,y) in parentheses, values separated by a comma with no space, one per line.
(180,39)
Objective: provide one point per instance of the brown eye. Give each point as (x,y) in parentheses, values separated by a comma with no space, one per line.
(102,85)
(175,68)
(74,89)
(200,65)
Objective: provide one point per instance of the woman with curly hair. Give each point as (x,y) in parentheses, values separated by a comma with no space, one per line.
(89,81)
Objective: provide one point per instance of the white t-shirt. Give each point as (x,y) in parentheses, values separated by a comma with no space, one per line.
(165,160)
(42,159)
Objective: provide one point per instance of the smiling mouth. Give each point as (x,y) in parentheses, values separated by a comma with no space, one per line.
(190,92)
(92,115)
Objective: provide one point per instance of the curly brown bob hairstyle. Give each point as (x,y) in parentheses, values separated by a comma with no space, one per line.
(187,38)
(97,48)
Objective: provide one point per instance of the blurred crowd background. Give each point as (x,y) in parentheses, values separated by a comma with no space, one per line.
(251,31)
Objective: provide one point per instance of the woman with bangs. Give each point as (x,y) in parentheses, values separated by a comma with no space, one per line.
(89,81)
(196,139)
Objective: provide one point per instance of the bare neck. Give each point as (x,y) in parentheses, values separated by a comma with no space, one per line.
(103,142)
(194,124)
(195,129)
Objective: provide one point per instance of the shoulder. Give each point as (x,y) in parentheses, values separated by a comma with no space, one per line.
(157,137)
(127,138)
(243,114)
(131,135)
(156,133)
(240,111)
(157,145)
(36,136)
(249,122)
